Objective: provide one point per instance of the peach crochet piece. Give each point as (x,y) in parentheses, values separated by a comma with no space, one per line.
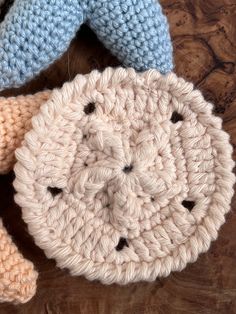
(125,176)
(17,275)
(15,121)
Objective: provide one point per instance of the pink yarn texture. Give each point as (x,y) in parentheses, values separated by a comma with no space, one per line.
(15,120)
(17,275)
(125,176)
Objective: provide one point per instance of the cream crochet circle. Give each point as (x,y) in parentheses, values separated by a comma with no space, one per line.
(125,176)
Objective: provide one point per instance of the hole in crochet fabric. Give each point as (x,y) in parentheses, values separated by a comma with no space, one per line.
(85,164)
(54,191)
(128,169)
(90,108)
(122,243)
(152,199)
(176,117)
(188,204)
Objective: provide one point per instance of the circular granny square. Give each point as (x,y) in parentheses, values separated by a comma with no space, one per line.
(125,176)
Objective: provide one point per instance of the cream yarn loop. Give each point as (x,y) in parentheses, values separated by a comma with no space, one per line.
(125,176)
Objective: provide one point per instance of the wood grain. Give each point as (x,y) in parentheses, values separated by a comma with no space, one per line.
(204,37)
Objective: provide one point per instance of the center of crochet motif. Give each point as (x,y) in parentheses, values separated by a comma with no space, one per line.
(126,164)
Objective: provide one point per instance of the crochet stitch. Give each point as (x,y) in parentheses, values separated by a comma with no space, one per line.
(17,275)
(125,176)
(35,33)
(15,121)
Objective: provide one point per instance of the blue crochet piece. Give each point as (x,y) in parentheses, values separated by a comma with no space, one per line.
(34,33)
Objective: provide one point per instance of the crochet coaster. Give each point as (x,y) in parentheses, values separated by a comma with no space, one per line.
(17,275)
(35,33)
(125,176)
(15,121)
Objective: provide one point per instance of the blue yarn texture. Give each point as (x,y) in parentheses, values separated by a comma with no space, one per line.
(35,33)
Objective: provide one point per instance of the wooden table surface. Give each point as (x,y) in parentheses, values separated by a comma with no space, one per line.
(204,37)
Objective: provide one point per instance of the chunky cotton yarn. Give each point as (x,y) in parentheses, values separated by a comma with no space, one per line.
(125,176)
(17,275)
(35,33)
(15,121)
